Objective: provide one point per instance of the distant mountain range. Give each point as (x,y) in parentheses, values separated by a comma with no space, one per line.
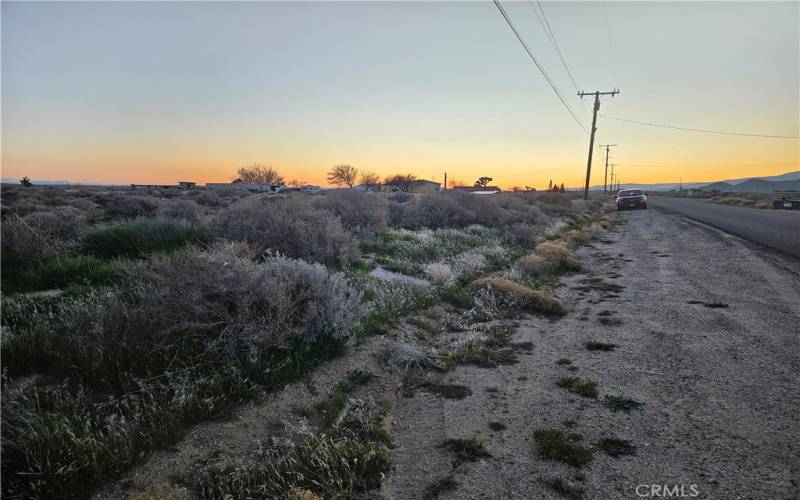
(754,186)
(790,181)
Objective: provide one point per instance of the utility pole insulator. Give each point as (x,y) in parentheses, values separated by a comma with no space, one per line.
(596,95)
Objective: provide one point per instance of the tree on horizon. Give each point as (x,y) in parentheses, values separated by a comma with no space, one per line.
(259,174)
(343,175)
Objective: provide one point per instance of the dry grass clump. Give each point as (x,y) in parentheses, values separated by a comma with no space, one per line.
(549,257)
(514,296)
(578,237)
(336,465)
(440,273)
(410,356)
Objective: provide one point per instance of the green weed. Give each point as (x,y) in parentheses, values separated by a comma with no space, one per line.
(552,444)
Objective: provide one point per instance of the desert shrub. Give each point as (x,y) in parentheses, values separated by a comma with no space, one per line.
(523,233)
(176,309)
(127,206)
(516,297)
(547,257)
(181,209)
(357,210)
(185,337)
(207,198)
(22,244)
(84,205)
(246,306)
(435,211)
(401,197)
(555,199)
(141,236)
(59,224)
(458,209)
(290,226)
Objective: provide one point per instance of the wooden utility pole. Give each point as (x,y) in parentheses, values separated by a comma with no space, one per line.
(444,188)
(605,177)
(612,165)
(596,95)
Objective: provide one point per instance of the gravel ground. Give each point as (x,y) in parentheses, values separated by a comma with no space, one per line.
(707,341)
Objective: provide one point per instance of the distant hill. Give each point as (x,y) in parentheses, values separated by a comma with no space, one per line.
(767,184)
(788,176)
(754,186)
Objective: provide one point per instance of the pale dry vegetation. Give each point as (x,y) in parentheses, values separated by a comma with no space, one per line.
(169,308)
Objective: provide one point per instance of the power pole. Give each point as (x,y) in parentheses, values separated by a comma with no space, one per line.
(612,165)
(605,177)
(445,182)
(594,129)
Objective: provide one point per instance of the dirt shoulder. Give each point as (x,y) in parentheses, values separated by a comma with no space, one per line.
(706,332)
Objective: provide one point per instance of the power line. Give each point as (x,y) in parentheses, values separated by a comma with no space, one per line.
(610,45)
(660,125)
(552,37)
(539,172)
(539,66)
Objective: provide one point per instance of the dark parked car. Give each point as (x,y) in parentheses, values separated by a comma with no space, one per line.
(631,198)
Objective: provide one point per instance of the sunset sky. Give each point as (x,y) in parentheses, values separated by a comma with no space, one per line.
(159,92)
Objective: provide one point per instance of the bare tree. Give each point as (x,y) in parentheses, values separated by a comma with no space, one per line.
(401,182)
(343,175)
(258,174)
(26,182)
(371,180)
(483,182)
(454,183)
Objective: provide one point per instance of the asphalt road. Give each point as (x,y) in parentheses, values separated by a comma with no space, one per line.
(777,229)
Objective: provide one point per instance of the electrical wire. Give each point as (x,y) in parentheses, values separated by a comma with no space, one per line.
(537,173)
(543,21)
(720,132)
(538,65)
(610,46)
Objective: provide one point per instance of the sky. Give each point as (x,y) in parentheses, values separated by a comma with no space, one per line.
(160,92)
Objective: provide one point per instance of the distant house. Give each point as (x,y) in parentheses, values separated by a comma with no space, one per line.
(241,186)
(415,186)
(476,189)
(186,184)
(153,186)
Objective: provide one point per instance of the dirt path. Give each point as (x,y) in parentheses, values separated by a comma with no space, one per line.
(718,378)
